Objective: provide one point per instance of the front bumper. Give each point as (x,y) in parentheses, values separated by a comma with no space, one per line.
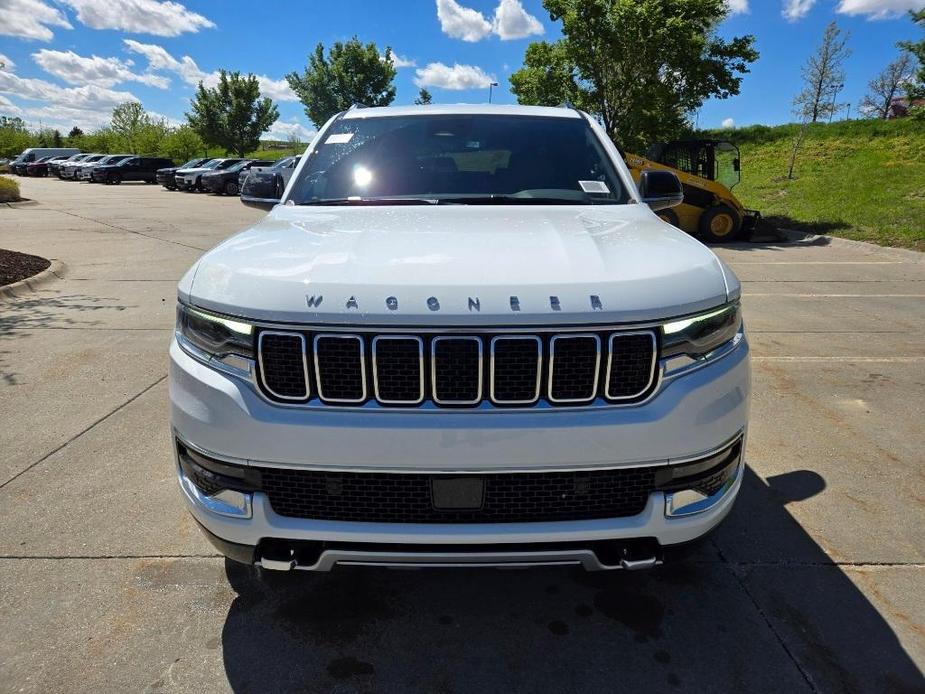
(226,418)
(211,185)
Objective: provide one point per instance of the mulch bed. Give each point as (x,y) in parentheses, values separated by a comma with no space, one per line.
(18,266)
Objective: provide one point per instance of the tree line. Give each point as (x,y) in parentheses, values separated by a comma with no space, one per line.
(642,67)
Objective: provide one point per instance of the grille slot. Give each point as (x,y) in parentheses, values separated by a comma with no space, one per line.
(283,365)
(340,368)
(398,369)
(516,363)
(456,364)
(630,364)
(574,363)
(508,497)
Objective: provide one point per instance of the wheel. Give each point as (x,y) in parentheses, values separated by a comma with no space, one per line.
(720,224)
(231,188)
(115,179)
(669,216)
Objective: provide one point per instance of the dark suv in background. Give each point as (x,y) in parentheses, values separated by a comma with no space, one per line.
(131,169)
(166,176)
(225,182)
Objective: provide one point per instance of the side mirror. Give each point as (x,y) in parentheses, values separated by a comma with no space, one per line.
(660,189)
(262,189)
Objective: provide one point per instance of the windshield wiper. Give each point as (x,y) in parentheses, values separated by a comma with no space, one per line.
(372,201)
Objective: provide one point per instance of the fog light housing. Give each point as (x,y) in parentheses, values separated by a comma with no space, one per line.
(696,487)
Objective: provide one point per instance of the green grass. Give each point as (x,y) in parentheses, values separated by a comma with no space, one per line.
(9,190)
(860,179)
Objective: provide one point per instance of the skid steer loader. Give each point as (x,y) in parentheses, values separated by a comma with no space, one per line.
(708,170)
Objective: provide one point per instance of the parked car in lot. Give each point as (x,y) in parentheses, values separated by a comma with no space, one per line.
(72,173)
(85,171)
(284,166)
(267,182)
(462,336)
(18,165)
(55,166)
(225,181)
(39,168)
(191,179)
(131,169)
(166,175)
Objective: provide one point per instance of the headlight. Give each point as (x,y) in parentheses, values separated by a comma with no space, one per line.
(215,336)
(699,335)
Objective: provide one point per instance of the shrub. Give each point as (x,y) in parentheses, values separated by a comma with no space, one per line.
(9,190)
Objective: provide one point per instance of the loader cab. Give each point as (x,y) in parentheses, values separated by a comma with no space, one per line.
(714,160)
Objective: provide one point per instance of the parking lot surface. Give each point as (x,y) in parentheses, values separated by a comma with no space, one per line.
(814,583)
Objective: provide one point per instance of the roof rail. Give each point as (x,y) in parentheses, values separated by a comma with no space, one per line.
(356,106)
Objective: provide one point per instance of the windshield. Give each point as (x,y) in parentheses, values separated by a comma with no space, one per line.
(239,165)
(191,163)
(467,159)
(227,163)
(286,163)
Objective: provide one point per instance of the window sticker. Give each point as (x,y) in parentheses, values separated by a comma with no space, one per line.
(594,187)
(338,139)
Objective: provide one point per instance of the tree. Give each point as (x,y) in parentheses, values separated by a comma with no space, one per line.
(127,121)
(887,85)
(14,137)
(915,89)
(823,77)
(182,144)
(350,74)
(642,66)
(424,97)
(57,139)
(75,133)
(232,115)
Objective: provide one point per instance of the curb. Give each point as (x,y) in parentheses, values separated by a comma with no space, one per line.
(808,238)
(20,203)
(53,272)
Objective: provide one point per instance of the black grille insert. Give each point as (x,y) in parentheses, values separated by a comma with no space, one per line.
(282,365)
(457,370)
(399,369)
(507,497)
(515,369)
(340,368)
(632,362)
(574,367)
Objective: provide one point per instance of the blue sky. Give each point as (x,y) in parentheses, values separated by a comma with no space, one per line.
(71,61)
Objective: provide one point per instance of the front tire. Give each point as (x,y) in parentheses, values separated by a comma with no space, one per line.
(231,188)
(670,216)
(115,179)
(720,224)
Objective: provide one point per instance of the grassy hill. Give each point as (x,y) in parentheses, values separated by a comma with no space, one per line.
(860,179)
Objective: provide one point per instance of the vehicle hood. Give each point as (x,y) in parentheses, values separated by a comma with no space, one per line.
(458,265)
(198,169)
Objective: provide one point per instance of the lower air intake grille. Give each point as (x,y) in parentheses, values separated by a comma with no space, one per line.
(507,498)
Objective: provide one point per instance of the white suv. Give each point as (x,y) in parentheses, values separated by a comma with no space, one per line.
(462,338)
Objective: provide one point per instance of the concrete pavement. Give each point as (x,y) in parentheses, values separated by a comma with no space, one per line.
(814,583)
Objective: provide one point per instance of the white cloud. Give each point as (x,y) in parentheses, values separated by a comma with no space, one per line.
(737,6)
(455,77)
(8,108)
(282,130)
(6,63)
(462,22)
(105,72)
(879,9)
(89,105)
(513,22)
(30,19)
(139,16)
(187,69)
(728,124)
(398,62)
(797,9)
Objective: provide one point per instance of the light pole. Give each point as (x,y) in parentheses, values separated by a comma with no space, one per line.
(837,88)
(490,85)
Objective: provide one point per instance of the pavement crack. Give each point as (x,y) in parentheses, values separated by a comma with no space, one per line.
(783,644)
(83,431)
(130,231)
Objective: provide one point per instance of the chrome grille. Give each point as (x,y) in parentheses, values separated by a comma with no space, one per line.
(449,370)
